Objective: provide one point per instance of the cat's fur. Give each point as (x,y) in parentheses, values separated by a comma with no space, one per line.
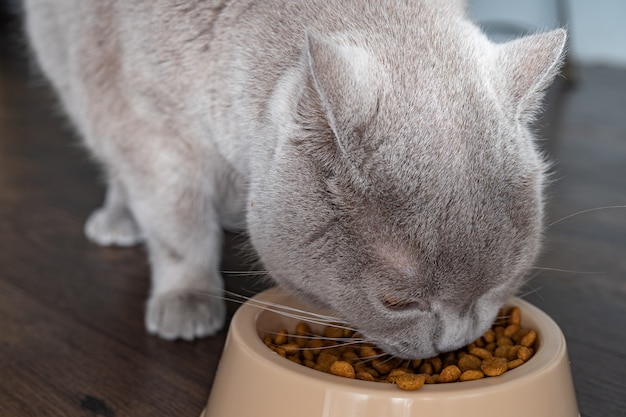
(378,153)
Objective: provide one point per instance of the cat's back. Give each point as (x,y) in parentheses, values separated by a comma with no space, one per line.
(177,45)
(208,66)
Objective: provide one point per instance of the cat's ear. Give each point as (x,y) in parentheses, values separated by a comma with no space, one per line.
(530,65)
(347,80)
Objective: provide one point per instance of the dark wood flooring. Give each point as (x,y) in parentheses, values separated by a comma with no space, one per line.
(72,340)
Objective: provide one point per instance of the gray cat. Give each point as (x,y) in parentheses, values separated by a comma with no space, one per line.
(378,153)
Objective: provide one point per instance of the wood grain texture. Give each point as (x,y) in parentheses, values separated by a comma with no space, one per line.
(72,339)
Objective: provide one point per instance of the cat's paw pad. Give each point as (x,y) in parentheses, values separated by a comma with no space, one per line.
(184,315)
(107,229)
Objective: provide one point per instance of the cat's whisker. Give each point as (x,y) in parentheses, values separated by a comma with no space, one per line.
(326,319)
(286,311)
(583,212)
(245,273)
(569,271)
(331,319)
(342,340)
(530,292)
(295,315)
(327,347)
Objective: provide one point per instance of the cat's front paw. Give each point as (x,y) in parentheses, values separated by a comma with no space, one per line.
(184,315)
(108,229)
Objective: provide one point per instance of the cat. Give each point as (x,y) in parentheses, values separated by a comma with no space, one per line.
(378,154)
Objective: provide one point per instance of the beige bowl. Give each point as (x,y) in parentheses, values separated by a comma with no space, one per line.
(253,381)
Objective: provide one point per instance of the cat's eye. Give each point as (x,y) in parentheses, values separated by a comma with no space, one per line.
(402,304)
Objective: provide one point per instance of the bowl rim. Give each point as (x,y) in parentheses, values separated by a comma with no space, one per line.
(551,348)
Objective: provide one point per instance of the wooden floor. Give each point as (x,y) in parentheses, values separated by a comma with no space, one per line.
(72,340)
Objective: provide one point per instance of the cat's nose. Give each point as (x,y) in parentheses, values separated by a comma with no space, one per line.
(454,333)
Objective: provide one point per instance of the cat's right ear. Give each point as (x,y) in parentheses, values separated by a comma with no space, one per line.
(530,65)
(346,80)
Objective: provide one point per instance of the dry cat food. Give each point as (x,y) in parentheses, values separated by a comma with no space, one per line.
(506,345)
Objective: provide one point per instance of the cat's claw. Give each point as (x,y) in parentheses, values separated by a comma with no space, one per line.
(107,229)
(184,315)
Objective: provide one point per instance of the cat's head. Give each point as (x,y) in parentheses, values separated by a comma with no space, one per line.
(406,191)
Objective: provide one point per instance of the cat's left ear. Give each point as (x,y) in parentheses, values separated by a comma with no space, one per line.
(347,80)
(530,65)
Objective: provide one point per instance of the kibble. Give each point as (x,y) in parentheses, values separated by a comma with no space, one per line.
(505,346)
(514,363)
(342,368)
(411,382)
(449,374)
(468,362)
(528,340)
(471,375)
(494,366)
(365,376)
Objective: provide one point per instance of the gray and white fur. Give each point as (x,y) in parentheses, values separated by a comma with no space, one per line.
(377,153)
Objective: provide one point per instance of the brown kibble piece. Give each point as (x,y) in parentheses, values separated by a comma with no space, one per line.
(364,376)
(303,329)
(449,374)
(395,373)
(502,351)
(489,336)
(281,337)
(382,366)
(350,356)
(415,363)
(494,366)
(529,340)
(325,361)
(511,329)
(513,352)
(471,375)
(524,353)
(332,332)
(373,372)
(315,345)
(437,364)
(517,337)
(480,353)
(429,379)
(469,362)
(515,363)
(290,348)
(342,368)
(499,331)
(515,316)
(410,382)
(367,352)
(426,368)
(308,355)
(505,341)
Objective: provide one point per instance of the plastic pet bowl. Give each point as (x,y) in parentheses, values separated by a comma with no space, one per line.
(254,381)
